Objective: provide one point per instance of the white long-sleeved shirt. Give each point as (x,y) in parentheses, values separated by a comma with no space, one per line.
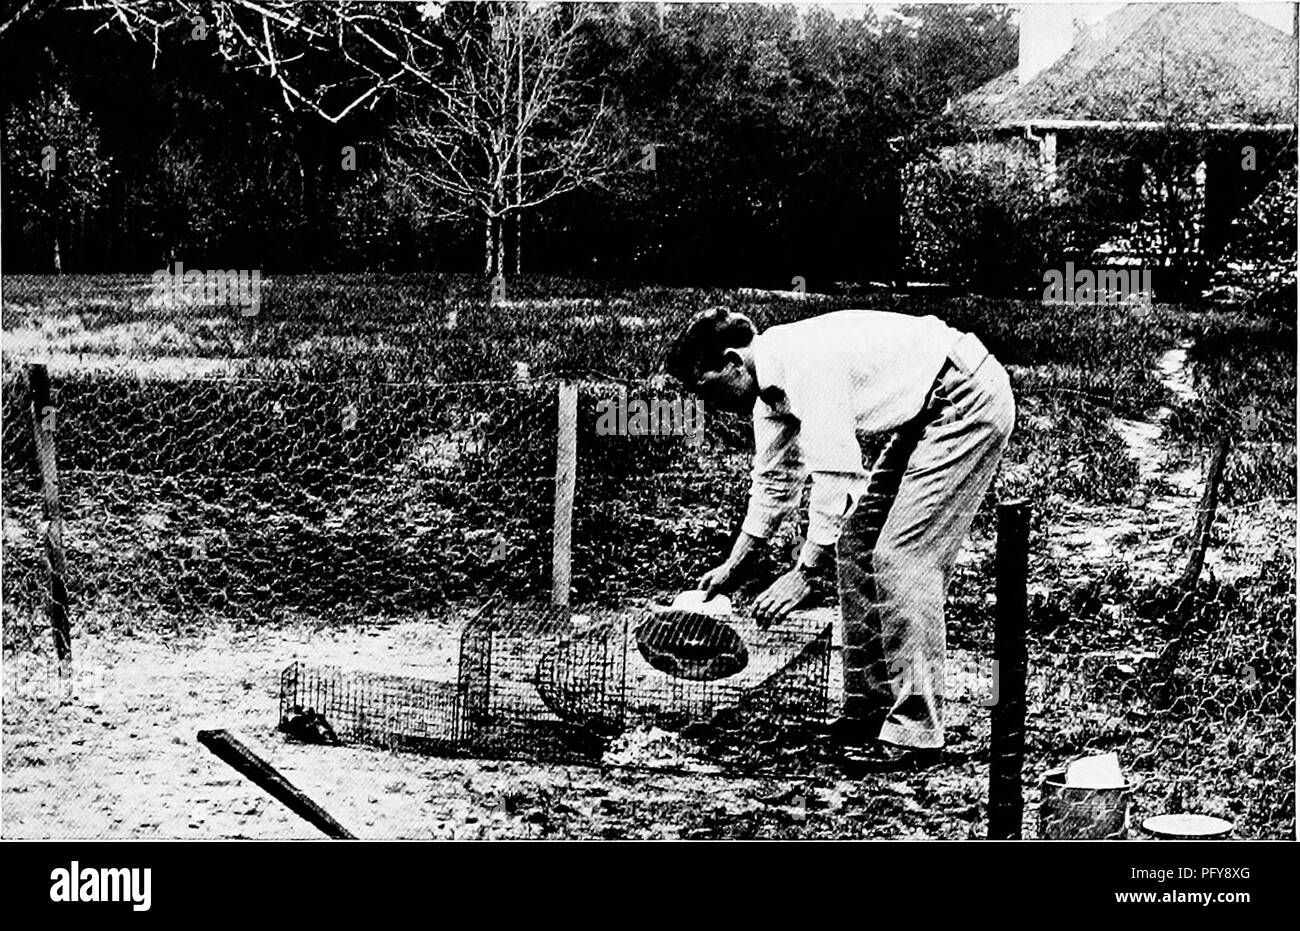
(822,381)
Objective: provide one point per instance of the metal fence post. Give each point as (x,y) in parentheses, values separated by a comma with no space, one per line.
(1007,741)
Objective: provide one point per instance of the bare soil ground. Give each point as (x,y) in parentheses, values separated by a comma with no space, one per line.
(117,757)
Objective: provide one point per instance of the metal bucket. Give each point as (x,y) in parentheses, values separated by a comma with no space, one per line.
(1075,813)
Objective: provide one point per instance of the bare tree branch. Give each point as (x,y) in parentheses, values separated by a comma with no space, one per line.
(388,47)
(517,128)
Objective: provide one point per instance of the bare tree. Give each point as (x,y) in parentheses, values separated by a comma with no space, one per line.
(517,127)
(499,122)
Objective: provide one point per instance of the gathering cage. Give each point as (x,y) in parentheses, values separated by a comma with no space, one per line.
(534,684)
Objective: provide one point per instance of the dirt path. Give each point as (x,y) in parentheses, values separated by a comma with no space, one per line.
(1148,533)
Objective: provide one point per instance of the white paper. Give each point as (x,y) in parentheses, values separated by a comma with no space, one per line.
(1095,772)
(693,600)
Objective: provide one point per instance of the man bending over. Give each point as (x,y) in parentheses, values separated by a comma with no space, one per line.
(812,386)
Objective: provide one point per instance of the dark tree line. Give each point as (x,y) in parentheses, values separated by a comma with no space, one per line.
(741,143)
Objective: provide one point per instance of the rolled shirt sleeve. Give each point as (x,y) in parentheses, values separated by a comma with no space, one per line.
(778,476)
(833,496)
(781,469)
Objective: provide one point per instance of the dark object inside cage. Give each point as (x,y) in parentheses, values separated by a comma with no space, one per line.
(691,646)
(531,685)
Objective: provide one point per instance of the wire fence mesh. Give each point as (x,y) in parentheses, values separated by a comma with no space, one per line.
(339,498)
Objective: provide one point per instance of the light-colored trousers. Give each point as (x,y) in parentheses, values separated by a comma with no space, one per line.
(895,555)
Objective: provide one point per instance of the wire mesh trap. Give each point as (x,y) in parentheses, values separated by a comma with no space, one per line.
(393,712)
(533,685)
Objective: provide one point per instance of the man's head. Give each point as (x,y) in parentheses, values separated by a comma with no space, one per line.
(713,357)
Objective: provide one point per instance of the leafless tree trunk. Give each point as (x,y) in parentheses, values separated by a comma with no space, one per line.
(516,128)
(53,210)
(519,150)
(499,257)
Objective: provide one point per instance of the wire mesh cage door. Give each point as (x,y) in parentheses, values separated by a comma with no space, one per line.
(583,678)
(505,673)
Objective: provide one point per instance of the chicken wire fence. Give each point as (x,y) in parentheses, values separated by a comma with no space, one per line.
(277,497)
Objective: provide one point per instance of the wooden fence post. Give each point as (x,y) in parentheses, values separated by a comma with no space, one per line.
(1007,740)
(1205,517)
(44,418)
(566,467)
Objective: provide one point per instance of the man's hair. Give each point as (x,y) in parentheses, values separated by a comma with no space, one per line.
(701,344)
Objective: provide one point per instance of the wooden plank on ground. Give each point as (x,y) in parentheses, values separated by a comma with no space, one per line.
(267,777)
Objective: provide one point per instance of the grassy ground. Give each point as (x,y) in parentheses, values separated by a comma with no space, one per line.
(243,490)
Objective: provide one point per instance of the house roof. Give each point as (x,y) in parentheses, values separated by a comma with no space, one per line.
(1197,63)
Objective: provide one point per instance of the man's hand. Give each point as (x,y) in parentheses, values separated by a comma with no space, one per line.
(722,579)
(717,581)
(781,597)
